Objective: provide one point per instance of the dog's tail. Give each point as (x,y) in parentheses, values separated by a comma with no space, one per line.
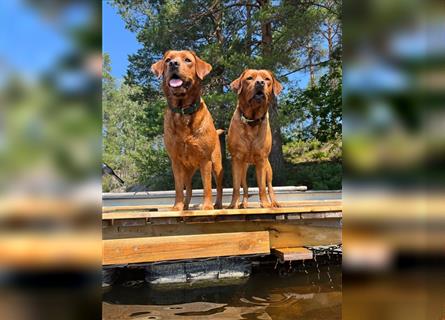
(220,131)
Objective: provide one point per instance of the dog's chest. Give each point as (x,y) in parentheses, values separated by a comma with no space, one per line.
(187,144)
(250,145)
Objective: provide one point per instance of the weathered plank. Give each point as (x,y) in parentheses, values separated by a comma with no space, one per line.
(133,214)
(254,204)
(150,249)
(289,233)
(291,254)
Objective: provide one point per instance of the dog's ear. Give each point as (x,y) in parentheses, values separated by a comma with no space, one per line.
(236,84)
(158,68)
(276,86)
(202,68)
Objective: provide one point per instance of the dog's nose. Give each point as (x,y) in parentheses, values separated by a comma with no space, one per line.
(173,64)
(259,83)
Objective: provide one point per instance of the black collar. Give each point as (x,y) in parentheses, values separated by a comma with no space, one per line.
(188,109)
(251,122)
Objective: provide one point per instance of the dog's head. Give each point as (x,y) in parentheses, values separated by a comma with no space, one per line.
(181,70)
(256,87)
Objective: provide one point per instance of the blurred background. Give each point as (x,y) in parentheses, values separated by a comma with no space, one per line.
(50,142)
(394,152)
(50,149)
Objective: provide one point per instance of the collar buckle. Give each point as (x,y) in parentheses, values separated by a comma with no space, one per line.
(245,120)
(252,122)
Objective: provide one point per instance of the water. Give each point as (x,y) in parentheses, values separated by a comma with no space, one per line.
(310,293)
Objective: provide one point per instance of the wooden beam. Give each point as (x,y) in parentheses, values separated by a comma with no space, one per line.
(291,254)
(151,249)
(290,233)
(166,207)
(199,213)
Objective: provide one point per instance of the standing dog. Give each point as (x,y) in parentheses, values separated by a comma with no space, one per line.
(190,136)
(250,137)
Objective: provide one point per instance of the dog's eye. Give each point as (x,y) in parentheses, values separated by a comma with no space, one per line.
(249,78)
(267,79)
(168,60)
(187,60)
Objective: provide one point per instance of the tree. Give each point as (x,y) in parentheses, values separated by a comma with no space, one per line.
(130,144)
(232,36)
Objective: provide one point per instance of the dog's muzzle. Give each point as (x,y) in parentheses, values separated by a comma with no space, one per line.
(259,95)
(175,81)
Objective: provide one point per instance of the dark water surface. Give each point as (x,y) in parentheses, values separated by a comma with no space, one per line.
(313,293)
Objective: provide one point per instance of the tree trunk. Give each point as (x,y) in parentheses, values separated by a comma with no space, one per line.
(218,73)
(330,45)
(276,157)
(249,29)
(310,55)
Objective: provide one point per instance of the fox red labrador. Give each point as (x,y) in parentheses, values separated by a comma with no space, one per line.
(190,136)
(250,137)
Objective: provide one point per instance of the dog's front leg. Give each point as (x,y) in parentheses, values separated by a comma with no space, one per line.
(245,187)
(261,171)
(218,172)
(269,178)
(206,176)
(178,173)
(237,169)
(188,187)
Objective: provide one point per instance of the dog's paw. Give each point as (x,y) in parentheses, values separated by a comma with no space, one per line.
(243,205)
(207,206)
(178,207)
(275,204)
(218,205)
(233,206)
(265,205)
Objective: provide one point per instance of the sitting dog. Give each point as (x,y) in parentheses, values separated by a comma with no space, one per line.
(250,137)
(190,136)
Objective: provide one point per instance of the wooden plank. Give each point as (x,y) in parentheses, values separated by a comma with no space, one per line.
(292,254)
(197,213)
(151,249)
(283,234)
(130,222)
(34,250)
(254,204)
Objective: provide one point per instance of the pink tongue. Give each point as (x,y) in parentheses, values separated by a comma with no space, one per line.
(175,83)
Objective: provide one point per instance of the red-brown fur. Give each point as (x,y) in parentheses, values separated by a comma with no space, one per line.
(191,140)
(252,144)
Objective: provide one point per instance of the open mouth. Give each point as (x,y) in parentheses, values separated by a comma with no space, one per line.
(175,81)
(259,95)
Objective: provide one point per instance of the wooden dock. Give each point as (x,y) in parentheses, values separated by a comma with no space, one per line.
(140,228)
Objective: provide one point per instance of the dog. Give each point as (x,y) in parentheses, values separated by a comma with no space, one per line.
(190,136)
(249,137)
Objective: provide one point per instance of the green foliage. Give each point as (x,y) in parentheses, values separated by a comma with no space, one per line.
(231,36)
(324,175)
(221,34)
(300,151)
(315,112)
(314,164)
(131,136)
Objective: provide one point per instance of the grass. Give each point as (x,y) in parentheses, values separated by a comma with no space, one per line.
(314,164)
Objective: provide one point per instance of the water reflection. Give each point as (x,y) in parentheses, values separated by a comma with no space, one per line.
(303,294)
